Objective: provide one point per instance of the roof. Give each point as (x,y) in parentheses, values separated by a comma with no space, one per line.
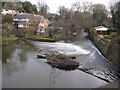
(32,17)
(102,28)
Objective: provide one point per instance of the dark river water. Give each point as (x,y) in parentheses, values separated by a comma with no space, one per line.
(0,68)
(22,69)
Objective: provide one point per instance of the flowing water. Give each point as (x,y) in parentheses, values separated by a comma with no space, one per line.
(22,69)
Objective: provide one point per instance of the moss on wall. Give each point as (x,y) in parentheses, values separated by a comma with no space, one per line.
(109,49)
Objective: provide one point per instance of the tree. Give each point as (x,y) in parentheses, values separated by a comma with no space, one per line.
(99,14)
(30,31)
(3,4)
(87,7)
(64,13)
(7,18)
(115,10)
(12,4)
(43,9)
(34,8)
(20,9)
(28,7)
(76,6)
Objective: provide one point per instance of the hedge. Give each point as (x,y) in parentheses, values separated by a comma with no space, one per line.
(41,39)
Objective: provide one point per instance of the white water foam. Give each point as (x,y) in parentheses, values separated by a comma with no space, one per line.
(66,48)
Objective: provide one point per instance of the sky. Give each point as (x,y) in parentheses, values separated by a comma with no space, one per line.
(54,4)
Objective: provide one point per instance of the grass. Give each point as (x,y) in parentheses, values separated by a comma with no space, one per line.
(11,37)
(41,39)
(58,35)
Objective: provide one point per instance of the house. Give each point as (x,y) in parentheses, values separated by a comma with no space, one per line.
(101,30)
(25,20)
(9,11)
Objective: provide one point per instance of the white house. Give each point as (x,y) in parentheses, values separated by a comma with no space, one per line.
(8,11)
(101,30)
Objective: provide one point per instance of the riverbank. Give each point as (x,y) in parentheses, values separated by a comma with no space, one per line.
(109,48)
(9,38)
(41,39)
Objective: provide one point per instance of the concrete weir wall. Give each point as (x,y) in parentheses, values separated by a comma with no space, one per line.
(108,48)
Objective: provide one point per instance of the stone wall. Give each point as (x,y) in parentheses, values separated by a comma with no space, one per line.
(109,48)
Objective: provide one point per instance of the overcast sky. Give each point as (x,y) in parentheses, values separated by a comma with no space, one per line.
(54,4)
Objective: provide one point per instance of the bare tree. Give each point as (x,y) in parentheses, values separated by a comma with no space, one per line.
(99,14)
(76,6)
(115,10)
(87,6)
(43,8)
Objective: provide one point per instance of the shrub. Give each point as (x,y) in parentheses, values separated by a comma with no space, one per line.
(41,39)
(106,36)
(110,36)
(30,31)
(111,30)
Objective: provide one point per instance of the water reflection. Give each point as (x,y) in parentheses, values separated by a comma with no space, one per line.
(13,64)
(15,56)
(72,79)
(53,75)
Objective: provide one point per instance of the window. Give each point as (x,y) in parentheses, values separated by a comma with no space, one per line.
(20,25)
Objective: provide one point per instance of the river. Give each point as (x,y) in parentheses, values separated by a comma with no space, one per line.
(22,69)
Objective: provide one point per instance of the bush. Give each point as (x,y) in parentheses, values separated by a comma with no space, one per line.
(111,30)
(112,35)
(30,31)
(41,39)
(106,36)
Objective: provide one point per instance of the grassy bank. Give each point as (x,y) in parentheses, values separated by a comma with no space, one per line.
(57,35)
(6,40)
(41,39)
